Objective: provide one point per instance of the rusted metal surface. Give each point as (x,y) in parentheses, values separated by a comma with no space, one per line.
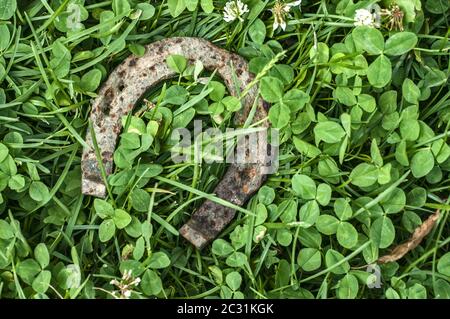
(129,82)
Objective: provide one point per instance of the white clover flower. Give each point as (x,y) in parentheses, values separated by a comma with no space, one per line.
(126,274)
(395,17)
(365,17)
(114,282)
(135,282)
(125,284)
(233,10)
(280,11)
(293,4)
(127,294)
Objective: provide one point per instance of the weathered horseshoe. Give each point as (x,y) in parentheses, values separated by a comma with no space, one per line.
(129,82)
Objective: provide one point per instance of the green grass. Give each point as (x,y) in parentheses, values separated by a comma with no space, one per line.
(364,118)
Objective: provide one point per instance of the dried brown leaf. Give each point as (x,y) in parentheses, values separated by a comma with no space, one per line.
(416,238)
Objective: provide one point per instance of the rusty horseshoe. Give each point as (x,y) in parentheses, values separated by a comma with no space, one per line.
(129,82)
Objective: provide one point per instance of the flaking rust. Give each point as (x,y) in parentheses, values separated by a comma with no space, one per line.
(129,82)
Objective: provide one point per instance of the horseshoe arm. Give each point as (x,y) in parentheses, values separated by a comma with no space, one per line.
(129,82)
